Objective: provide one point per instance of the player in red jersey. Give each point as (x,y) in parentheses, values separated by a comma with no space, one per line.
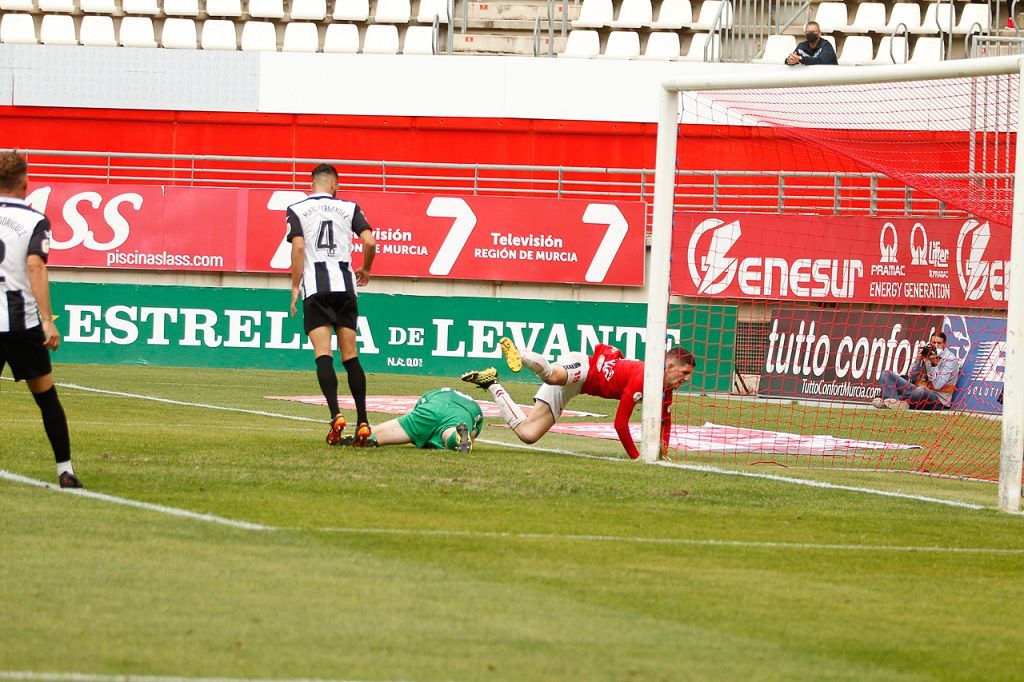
(606,374)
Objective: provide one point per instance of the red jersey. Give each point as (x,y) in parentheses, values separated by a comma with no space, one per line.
(612,376)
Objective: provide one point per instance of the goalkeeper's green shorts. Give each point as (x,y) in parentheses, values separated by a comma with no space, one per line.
(438,411)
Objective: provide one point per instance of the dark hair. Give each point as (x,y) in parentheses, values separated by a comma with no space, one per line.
(324,169)
(680,356)
(941,335)
(13,169)
(813,22)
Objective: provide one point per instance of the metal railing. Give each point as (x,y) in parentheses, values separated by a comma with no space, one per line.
(737,191)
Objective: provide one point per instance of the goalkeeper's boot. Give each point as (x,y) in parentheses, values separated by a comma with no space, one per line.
(337,426)
(513,358)
(68,480)
(481,377)
(465,445)
(364,437)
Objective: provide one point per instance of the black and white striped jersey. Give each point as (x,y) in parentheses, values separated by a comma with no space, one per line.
(23,231)
(327,225)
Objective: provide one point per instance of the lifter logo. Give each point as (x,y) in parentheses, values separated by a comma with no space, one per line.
(976,274)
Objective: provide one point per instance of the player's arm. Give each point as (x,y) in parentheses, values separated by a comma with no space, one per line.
(295,236)
(39,281)
(361,227)
(622,416)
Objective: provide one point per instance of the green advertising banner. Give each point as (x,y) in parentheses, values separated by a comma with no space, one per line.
(441,336)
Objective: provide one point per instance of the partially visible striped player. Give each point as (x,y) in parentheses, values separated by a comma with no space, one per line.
(606,374)
(320,229)
(27,332)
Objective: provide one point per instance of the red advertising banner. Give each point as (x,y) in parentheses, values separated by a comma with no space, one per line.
(926,261)
(418,235)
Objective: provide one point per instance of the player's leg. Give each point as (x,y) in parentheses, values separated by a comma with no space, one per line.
(458,438)
(487,379)
(388,433)
(320,337)
(356,379)
(515,358)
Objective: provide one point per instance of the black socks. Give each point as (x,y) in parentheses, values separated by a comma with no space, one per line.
(55,423)
(328,382)
(357,384)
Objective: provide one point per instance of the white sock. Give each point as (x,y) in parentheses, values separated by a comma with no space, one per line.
(510,411)
(537,364)
(65,468)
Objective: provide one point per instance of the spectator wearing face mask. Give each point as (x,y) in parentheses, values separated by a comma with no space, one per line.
(928,386)
(814,50)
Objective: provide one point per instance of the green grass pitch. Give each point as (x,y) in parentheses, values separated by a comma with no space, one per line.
(506,564)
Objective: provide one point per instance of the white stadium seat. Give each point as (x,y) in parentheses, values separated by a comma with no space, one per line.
(97,31)
(219,34)
(224,8)
(832,17)
(140,7)
(57,29)
(622,45)
(181,8)
(392,12)
(17,5)
(973,13)
(57,6)
(928,50)
(582,44)
(430,9)
(662,45)
(938,17)
(776,49)
(906,13)
(870,18)
(893,50)
(342,38)
(594,14)
(351,10)
(418,40)
(259,36)
(674,15)
(308,10)
(98,6)
(634,14)
(380,39)
(266,9)
(179,34)
(136,32)
(18,29)
(857,50)
(300,36)
(703,45)
(709,11)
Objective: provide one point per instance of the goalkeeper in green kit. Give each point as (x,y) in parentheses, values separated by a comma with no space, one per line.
(443,419)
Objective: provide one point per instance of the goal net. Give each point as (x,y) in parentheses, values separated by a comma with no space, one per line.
(847,275)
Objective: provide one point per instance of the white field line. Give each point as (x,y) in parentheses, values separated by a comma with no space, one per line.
(690,467)
(91,677)
(148,506)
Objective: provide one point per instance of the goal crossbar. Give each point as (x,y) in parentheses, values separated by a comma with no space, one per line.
(1012,440)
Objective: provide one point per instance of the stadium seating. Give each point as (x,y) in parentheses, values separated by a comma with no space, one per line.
(181,8)
(300,36)
(938,16)
(97,31)
(380,40)
(634,14)
(57,6)
(908,14)
(419,40)
(392,12)
(57,29)
(709,11)
(308,10)
(582,44)
(224,8)
(703,45)
(928,50)
(351,10)
(832,16)
(219,34)
(98,6)
(342,38)
(674,15)
(266,9)
(430,9)
(662,45)
(622,45)
(594,14)
(857,50)
(18,29)
(140,7)
(17,5)
(776,49)
(893,50)
(179,34)
(259,36)
(137,32)
(870,18)
(973,15)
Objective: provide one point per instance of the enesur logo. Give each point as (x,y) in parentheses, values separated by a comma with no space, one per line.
(976,274)
(713,270)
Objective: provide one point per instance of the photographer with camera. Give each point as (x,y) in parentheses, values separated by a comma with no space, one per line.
(929,385)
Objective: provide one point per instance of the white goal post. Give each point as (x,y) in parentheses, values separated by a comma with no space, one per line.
(1012,438)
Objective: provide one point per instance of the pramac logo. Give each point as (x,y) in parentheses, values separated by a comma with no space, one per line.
(918,245)
(888,243)
(713,272)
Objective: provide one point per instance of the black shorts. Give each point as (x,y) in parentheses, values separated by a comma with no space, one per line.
(24,351)
(330,310)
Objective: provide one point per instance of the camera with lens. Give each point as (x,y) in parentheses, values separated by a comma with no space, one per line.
(928,351)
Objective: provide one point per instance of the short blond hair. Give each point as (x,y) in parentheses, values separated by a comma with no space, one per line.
(13,169)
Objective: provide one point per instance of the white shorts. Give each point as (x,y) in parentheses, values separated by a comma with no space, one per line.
(576,365)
